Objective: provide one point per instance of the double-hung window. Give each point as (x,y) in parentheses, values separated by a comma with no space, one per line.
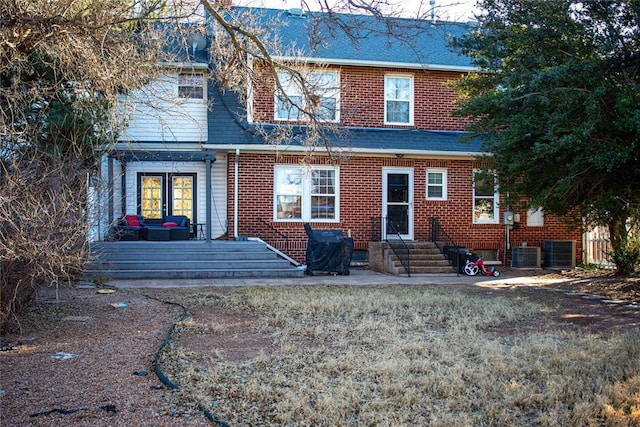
(398,99)
(191,85)
(306,193)
(436,184)
(319,96)
(485,198)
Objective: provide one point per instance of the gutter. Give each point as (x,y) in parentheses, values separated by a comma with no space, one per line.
(185,65)
(380,64)
(235,195)
(375,151)
(282,148)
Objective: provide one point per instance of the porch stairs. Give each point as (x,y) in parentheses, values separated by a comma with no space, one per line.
(424,258)
(190,259)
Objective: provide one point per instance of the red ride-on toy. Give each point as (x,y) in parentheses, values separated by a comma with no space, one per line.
(472,268)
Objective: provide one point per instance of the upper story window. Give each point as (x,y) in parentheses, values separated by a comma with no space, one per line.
(485,198)
(322,97)
(398,99)
(436,184)
(306,194)
(191,85)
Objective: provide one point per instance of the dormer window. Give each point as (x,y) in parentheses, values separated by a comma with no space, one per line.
(322,97)
(398,100)
(191,85)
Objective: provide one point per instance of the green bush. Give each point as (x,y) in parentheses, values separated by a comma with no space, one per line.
(627,257)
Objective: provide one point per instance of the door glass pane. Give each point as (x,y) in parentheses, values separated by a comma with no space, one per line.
(398,188)
(151,197)
(183,196)
(398,216)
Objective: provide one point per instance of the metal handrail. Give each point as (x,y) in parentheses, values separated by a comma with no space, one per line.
(440,235)
(278,232)
(397,248)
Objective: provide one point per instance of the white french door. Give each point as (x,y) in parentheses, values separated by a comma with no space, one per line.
(397,202)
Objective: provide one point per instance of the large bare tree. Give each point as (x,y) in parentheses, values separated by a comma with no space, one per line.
(63,66)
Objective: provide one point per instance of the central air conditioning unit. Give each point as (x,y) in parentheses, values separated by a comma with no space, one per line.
(525,257)
(559,253)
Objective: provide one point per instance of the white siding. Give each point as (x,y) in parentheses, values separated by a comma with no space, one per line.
(219,188)
(156,113)
(219,220)
(98,192)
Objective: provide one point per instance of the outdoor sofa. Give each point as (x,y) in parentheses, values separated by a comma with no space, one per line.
(136,227)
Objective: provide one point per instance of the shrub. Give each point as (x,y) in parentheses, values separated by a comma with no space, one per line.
(42,231)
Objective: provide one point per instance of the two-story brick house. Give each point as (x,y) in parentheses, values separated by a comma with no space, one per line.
(402,156)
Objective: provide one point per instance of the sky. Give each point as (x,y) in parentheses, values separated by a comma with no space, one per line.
(450,10)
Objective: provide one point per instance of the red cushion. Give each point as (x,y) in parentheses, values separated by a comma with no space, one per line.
(132,220)
(169,224)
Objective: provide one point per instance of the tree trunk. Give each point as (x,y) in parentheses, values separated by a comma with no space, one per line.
(626,255)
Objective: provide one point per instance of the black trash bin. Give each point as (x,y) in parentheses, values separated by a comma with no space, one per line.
(458,257)
(328,251)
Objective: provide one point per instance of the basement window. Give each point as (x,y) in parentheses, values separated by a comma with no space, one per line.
(490,256)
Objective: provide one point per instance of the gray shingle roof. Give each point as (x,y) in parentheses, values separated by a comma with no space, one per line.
(227,126)
(413,42)
(423,43)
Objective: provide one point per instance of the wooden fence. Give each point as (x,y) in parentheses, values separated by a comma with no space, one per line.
(597,248)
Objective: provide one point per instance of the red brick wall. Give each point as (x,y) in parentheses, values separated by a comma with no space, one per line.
(362,98)
(361,206)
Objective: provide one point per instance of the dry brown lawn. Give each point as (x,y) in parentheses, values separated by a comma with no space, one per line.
(399,356)
(454,355)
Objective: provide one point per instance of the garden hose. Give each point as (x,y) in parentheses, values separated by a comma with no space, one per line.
(156,361)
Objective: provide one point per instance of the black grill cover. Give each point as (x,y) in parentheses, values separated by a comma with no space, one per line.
(328,251)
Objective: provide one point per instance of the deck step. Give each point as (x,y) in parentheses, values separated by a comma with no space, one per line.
(186,260)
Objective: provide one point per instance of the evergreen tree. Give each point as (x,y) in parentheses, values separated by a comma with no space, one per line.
(558,105)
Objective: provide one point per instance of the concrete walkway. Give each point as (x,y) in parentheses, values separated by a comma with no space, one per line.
(356,278)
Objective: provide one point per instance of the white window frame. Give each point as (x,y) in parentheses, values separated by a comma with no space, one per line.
(535,217)
(442,172)
(306,193)
(328,90)
(494,201)
(410,100)
(193,86)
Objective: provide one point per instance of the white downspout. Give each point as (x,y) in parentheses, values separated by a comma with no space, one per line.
(235,196)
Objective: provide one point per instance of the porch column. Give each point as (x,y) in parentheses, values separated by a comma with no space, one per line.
(110,188)
(208,196)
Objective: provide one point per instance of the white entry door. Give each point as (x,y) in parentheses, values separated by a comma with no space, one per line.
(397,202)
